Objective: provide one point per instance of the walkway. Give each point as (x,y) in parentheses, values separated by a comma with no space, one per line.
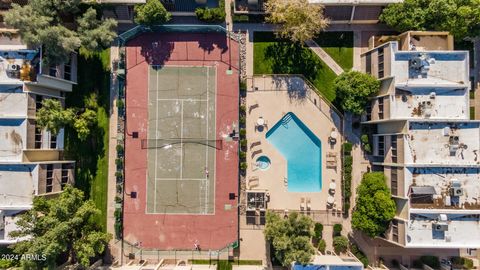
(112,155)
(326,58)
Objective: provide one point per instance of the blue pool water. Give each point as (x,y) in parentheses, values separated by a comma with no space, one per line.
(302,151)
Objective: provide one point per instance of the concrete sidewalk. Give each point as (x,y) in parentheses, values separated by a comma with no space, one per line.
(326,58)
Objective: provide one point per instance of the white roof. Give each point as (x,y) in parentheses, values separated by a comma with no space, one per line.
(462,232)
(430,102)
(18,186)
(354,2)
(429,143)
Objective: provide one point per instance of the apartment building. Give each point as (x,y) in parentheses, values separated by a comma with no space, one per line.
(31,159)
(423,139)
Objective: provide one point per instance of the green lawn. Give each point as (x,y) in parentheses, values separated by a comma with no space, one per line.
(339,45)
(91,156)
(279,56)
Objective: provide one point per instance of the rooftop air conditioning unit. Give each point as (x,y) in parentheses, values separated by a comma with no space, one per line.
(439,227)
(433,95)
(456,191)
(416,62)
(442,218)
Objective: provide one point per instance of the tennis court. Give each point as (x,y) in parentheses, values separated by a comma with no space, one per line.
(181,141)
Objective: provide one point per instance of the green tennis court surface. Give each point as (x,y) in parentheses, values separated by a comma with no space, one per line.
(181,141)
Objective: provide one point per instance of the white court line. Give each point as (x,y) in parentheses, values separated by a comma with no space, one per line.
(206,149)
(181,142)
(182,99)
(156,149)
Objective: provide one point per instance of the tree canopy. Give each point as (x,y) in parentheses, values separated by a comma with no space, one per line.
(61,26)
(299,20)
(460,17)
(374,207)
(152,12)
(353,89)
(290,237)
(62,225)
(53,117)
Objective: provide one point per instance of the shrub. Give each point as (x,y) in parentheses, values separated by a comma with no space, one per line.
(243,166)
(367,148)
(364,138)
(242,120)
(120,103)
(347,148)
(206,14)
(359,254)
(337,229)
(340,244)
(243,132)
(242,155)
(243,143)
(462,262)
(118,174)
(322,245)
(118,230)
(119,148)
(119,162)
(118,199)
(431,261)
(318,229)
(243,109)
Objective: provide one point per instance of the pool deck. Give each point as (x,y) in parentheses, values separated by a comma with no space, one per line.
(271,100)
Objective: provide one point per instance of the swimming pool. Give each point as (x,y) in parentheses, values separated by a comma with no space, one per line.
(302,151)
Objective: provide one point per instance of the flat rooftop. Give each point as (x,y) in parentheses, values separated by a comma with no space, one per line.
(458,231)
(18,186)
(442,182)
(13,132)
(9,219)
(430,102)
(442,143)
(432,68)
(17,66)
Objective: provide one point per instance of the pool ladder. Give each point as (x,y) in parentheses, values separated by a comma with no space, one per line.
(286,119)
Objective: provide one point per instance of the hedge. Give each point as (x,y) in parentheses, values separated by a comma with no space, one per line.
(318,230)
(347,176)
(431,261)
(337,230)
(212,14)
(359,254)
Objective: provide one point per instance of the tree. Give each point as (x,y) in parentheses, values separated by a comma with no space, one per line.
(290,237)
(207,14)
(340,244)
(53,117)
(60,26)
(460,17)
(353,89)
(299,20)
(152,12)
(374,207)
(95,33)
(61,225)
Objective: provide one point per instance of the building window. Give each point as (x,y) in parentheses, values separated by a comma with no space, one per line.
(380,63)
(368,109)
(38,138)
(393,138)
(49,179)
(38,102)
(65,170)
(67,70)
(380,108)
(395,230)
(368,63)
(381,146)
(53,141)
(394,181)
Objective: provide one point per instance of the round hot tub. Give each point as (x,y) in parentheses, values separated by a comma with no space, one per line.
(263,162)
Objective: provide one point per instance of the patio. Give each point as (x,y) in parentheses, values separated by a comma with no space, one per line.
(268,100)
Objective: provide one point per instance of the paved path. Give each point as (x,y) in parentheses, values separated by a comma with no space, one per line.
(476,74)
(326,58)
(112,155)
